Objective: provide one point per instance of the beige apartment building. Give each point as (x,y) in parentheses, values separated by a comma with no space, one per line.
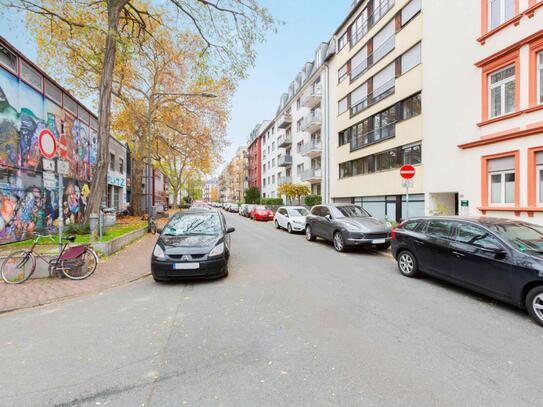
(234,179)
(377,79)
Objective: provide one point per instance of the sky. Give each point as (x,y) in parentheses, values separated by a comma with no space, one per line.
(306,23)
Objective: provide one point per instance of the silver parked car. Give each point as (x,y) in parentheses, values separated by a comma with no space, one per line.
(347,225)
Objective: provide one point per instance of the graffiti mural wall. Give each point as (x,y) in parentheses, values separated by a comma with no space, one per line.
(27,206)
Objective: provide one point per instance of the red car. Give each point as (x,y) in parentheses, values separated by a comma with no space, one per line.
(260,212)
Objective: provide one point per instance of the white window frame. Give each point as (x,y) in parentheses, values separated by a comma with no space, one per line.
(502,188)
(501,84)
(539,74)
(502,13)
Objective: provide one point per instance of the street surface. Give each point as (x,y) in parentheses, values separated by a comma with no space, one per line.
(295,324)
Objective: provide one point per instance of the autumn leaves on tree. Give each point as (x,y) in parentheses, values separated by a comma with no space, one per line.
(133,56)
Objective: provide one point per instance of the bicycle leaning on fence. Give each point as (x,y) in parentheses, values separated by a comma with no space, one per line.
(74,262)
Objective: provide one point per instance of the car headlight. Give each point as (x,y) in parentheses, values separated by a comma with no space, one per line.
(297,222)
(158,252)
(217,250)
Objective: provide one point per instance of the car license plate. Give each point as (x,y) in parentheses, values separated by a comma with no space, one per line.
(186,266)
(378,241)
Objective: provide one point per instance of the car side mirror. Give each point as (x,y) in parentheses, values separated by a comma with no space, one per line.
(499,252)
(329,217)
(159,230)
(286,215)
(230,230)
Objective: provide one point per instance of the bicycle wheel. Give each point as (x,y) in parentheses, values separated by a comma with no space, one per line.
(81,267)
(18,267)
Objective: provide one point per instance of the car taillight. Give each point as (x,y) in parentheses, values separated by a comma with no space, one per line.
(393,234)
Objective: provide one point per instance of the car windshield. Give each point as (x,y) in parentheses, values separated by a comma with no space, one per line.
(523,236)
(298,212)
(348,212)
(193,224)
(260,208)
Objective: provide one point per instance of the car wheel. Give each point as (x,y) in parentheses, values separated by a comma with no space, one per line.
(309,234)
(289,228)
(339,242)
(383,246)
(534,304)
(276,224)
(407,264)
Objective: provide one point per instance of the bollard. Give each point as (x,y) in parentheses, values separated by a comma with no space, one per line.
(93,224)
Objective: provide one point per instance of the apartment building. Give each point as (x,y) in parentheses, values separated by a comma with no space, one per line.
(234,179)
(487,153)
(295,144)
(254,153)
(378,78)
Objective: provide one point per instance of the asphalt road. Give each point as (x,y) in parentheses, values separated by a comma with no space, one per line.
(295,324)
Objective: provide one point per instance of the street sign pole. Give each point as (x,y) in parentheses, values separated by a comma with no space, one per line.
(60,212)
(407,172)
(407,201)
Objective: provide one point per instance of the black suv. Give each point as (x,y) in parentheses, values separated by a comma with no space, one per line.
(497,257)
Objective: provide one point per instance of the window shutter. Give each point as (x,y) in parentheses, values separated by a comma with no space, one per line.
(501,164)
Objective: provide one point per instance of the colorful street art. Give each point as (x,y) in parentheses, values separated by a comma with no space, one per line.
(27,203)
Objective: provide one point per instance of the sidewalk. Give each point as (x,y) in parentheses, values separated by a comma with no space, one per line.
(129,264)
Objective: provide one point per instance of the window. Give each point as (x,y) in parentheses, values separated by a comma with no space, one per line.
(264,168)
(299,170)
(383,80)
(298,103)
(53,92)
(410,11)
(342,41)
(540,76)
(411,58)
(94,123)
(539,174)
(111,161)
(299,147)
(475,236)
(344,137)
(412,154)
(439,228)
(121,165)
(342,73)
(500,11)
(411,106)
(8,59)
(359,96)
(273,146)
(502,91)
(299,125)
(70,104)
(342,106)
(359,62)
(273,162)
(501,174)
(32,76)
(273,179)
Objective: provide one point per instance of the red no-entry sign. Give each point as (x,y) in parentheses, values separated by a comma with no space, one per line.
(48,144)
(407,171)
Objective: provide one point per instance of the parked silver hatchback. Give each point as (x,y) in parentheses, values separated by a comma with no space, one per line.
(347,225)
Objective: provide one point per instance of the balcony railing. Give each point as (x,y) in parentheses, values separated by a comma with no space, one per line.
(378,94)
(312,121)
(374,57)
(284,121)
(311,149)
(374,136)
(312,96)
(312,175)
(284,180)
(284,140)
(373,19)
(284,161)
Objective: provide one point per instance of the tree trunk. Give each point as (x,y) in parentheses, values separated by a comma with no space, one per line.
(137,179)
(176,196)
(99,182)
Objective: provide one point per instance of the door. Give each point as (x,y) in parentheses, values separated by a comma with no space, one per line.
(325,224)
(476,263)
(432,246)
(282,217)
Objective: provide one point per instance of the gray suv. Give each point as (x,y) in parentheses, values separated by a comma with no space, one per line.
(347,225)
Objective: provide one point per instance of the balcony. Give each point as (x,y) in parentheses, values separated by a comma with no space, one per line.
(312,175)
(284,120)
(312,122)
(284,161)
(312,149)
(312,96)
(284,180)
(378,94)
(378,54)
(372,137)
(284,140)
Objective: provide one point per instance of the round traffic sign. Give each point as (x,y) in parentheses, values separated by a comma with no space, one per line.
(48,144)
(407,171)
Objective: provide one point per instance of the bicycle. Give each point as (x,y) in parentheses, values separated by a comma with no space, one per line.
(75,262)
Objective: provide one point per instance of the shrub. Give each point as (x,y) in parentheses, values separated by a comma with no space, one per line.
(252,195)
(311,200)
(271,201)
(76,229)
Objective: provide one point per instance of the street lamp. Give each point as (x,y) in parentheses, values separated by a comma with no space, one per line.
(150,99)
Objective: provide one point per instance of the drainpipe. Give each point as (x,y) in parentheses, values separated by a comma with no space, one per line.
(326,143)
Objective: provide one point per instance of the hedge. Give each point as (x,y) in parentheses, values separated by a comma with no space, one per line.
(271,201)
(311,200)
